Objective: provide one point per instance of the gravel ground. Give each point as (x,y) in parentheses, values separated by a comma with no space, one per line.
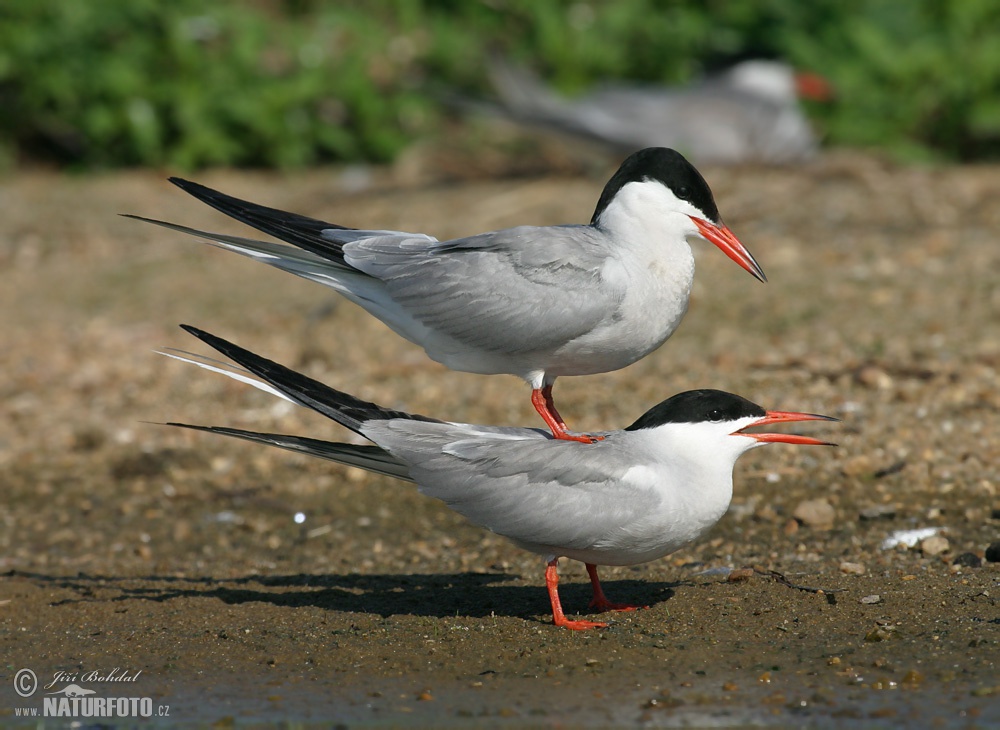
(131,545)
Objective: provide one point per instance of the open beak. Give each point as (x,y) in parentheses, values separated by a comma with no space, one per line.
(722,237)
(785,438)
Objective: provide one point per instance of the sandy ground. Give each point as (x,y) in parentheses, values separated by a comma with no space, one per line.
(132,547)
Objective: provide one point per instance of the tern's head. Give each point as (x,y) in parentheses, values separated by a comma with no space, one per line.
(777,82)
(712,424)
(659,183)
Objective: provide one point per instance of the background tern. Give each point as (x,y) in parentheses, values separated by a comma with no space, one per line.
(748,113)
(536,302)
(634,496)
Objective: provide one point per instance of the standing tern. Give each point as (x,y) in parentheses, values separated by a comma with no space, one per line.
(634,496)
(536,302)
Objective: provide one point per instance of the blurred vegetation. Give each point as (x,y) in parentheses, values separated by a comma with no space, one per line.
(191,83)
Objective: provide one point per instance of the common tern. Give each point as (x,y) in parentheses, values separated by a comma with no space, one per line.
(536,302)
(748,113)
(634,496)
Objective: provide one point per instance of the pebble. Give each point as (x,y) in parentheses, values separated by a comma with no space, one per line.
(857,465)
(968,560)
(879,633)
(874,598)
(993,552)
(852,568)
(872,376)
(739,574)
(934,545)
(878,512)
(815,513)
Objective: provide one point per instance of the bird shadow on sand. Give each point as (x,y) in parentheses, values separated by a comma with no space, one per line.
(440,594)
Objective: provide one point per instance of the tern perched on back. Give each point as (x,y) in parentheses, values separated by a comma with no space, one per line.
(634,496)
(536,302)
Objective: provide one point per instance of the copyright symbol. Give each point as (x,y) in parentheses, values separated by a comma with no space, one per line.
(25,682)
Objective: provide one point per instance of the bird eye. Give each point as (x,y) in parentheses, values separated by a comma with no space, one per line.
(683,192)
(715,415)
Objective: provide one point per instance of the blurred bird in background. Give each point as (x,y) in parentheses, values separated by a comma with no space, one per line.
(749,113)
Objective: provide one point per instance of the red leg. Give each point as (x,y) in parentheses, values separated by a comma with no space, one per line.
(558,617)
(600,601)
(541,399)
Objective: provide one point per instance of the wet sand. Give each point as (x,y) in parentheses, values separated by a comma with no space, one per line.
(136,546)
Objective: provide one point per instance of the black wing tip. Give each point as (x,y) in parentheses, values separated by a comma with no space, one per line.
(182,183)
(308,392)
(144,219)
(199,333)
(227,348)
(202,192)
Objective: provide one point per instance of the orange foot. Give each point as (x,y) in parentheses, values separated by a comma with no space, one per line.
(606,605)
(600,601)
(542,401)
(578,625)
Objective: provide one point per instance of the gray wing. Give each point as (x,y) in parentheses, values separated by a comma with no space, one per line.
(512,291)
(526,486)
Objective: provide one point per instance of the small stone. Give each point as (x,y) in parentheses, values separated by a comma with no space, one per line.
(766,513)
(883,683)
(878,512)
(424,696)
(879,633)
(592,662)
(893,468)
(874,598)
(968,560)
(791,527)
(730,687)
(993,552)
(975,515)
(815,513)
(872,376)
(739,574)
(934,545)
(986,691)
(912,678)
(857,465)
(852,568)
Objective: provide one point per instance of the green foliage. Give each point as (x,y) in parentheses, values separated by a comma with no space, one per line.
(921,79)
(190,83)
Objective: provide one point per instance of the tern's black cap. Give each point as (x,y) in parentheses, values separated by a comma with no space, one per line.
(697,406)
(670,168)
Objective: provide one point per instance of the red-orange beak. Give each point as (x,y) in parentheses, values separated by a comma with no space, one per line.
(813,86)
(786,438)
(730,245)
